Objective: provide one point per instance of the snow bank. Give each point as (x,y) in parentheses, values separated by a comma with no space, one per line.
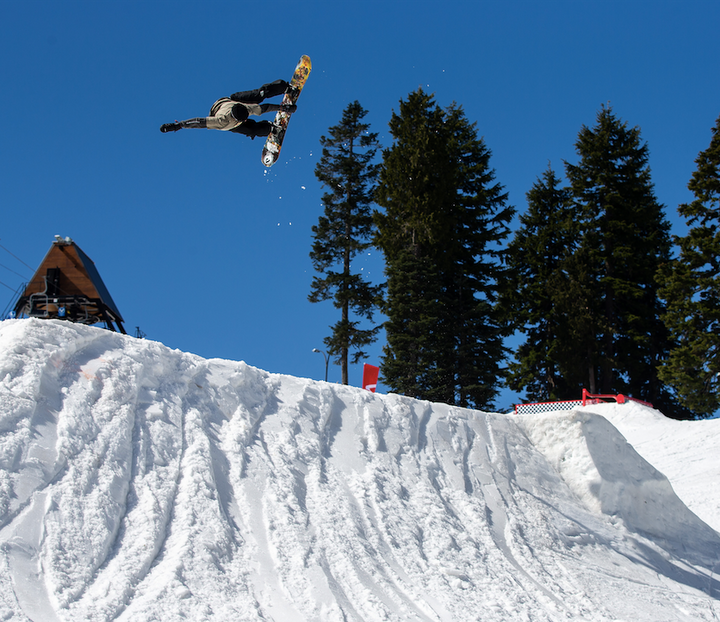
(606,473)
(141,483)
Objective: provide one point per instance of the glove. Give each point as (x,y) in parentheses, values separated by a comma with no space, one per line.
(170,127)
(289,108)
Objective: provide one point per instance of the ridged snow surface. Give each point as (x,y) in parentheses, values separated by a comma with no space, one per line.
(142,483)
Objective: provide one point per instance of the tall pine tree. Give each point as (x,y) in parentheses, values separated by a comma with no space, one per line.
(692,289)
(536,295)
(624,240)
(347,170)
(475,250)
(445,218)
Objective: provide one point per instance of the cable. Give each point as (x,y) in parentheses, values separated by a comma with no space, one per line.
(18,258)
(22,276)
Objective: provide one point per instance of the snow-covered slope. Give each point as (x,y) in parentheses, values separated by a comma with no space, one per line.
(142,483)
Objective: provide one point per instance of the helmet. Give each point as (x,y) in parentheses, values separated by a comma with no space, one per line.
(239,113)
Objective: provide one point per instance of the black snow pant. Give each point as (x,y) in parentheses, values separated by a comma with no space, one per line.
(258,95)
(253,128)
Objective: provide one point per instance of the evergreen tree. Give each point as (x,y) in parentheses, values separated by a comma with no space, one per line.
(410,186)
(691,287)
(476,250)
(536,297)
(444,220)
(346,169)
(624,240)
(412,304)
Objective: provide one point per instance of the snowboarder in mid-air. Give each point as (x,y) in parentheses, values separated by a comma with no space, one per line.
(231,113)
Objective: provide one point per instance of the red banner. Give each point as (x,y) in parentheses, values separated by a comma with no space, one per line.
(370,377)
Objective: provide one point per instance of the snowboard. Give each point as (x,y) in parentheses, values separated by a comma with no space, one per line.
(274,141)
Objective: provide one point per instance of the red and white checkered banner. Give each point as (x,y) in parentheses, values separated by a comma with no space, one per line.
(544,407)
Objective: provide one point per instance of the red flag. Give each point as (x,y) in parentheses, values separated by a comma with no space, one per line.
(370,377)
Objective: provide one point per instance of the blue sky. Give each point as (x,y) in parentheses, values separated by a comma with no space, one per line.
(204,248)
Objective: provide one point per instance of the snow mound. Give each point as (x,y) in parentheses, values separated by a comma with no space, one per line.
(142,483)
(687,452)
(606,473)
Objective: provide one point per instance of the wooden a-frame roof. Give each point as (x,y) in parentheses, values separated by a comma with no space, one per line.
(67,285)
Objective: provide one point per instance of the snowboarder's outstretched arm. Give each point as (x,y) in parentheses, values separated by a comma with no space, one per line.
(200,122)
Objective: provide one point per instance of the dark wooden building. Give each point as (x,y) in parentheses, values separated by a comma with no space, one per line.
(67,286)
